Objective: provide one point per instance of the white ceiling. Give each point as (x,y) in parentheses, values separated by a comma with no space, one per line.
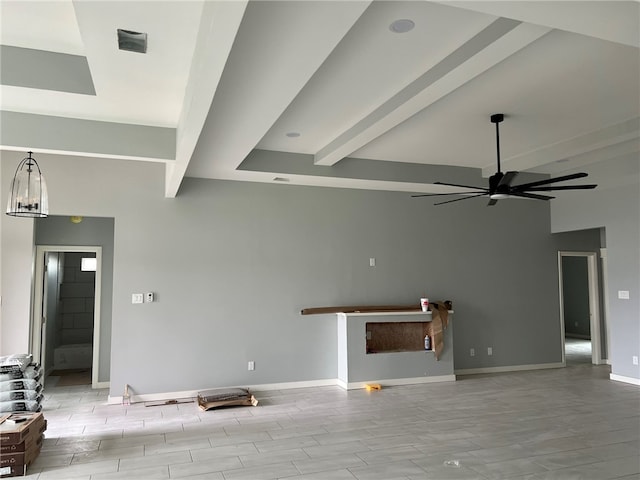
(229,80)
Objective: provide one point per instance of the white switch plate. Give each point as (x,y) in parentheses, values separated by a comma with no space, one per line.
(472,352)
(489,351)
(372,262)
(251,365)
(635,360)
(136,298)
(623,294)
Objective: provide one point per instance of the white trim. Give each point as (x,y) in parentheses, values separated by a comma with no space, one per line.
(605,299)
(620,378)
(155,397)
(98,385)
(399,381)
(331,382)
(95,364)
(509,368)
(38,295)
(594,304)
(386,313)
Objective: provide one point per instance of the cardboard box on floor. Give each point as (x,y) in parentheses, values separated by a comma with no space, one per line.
(225,397)
(21,437)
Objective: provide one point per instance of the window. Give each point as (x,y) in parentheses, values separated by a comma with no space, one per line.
(88,264)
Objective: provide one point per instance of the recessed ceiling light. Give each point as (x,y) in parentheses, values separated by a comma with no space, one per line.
(292,134)
(402,25)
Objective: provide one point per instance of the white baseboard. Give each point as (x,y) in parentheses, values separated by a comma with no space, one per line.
(621,378)
(101,385)
(509,368)
(158,397)
(397,381)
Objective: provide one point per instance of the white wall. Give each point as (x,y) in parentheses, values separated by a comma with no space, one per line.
(614,205)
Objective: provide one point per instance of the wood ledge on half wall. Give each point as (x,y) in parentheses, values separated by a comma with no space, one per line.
(373,308)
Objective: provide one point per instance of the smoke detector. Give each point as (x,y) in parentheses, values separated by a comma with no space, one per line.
(132,41)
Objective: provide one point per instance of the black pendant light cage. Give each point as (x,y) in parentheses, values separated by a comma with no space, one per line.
(28,196)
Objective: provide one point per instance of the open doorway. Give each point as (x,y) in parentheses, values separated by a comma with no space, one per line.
(579,308)
(66,323)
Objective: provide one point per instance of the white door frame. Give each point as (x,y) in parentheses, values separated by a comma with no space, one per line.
(594,304)
(38,297)
(605,294)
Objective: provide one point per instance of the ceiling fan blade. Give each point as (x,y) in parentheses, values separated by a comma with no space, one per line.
(457,185)
(507,178)
(531,195)
(463,198)
(564,187)
(438,194)
(525,186)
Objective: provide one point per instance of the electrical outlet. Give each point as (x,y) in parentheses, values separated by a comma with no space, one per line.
(251,365)
(148,297)
(372,262)
(489,351)
(635,360)
(472,352)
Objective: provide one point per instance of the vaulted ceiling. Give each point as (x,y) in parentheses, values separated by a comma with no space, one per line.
(328,93)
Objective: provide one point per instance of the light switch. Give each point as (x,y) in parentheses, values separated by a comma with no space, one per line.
(136,298)
(623,294)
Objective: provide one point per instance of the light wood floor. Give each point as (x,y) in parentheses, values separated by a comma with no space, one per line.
(569,423)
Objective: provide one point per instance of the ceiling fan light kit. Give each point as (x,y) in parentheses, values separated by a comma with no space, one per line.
(500,187)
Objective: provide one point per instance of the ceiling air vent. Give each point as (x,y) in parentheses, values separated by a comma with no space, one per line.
(132,41)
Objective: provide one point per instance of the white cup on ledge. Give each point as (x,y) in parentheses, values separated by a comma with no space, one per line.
(424,303)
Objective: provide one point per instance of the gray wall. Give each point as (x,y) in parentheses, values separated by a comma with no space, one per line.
(233,263)
(92,231)
(614,205)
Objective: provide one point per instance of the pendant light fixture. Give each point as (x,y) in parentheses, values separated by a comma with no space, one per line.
(28,196)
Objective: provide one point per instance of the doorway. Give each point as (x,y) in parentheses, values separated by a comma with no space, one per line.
(65,328)
(579,308)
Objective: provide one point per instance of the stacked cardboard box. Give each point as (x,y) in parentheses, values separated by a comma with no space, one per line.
(21,437)
(20,384)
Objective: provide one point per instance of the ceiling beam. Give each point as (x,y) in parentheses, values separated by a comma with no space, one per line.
(218,28)
(614,21)
(264,50)
(581,146)
(492,45)
(76,136)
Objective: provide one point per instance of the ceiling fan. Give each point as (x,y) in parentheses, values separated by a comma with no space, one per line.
(500,183)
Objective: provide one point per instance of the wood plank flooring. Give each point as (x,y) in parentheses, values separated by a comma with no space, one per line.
(568,423)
